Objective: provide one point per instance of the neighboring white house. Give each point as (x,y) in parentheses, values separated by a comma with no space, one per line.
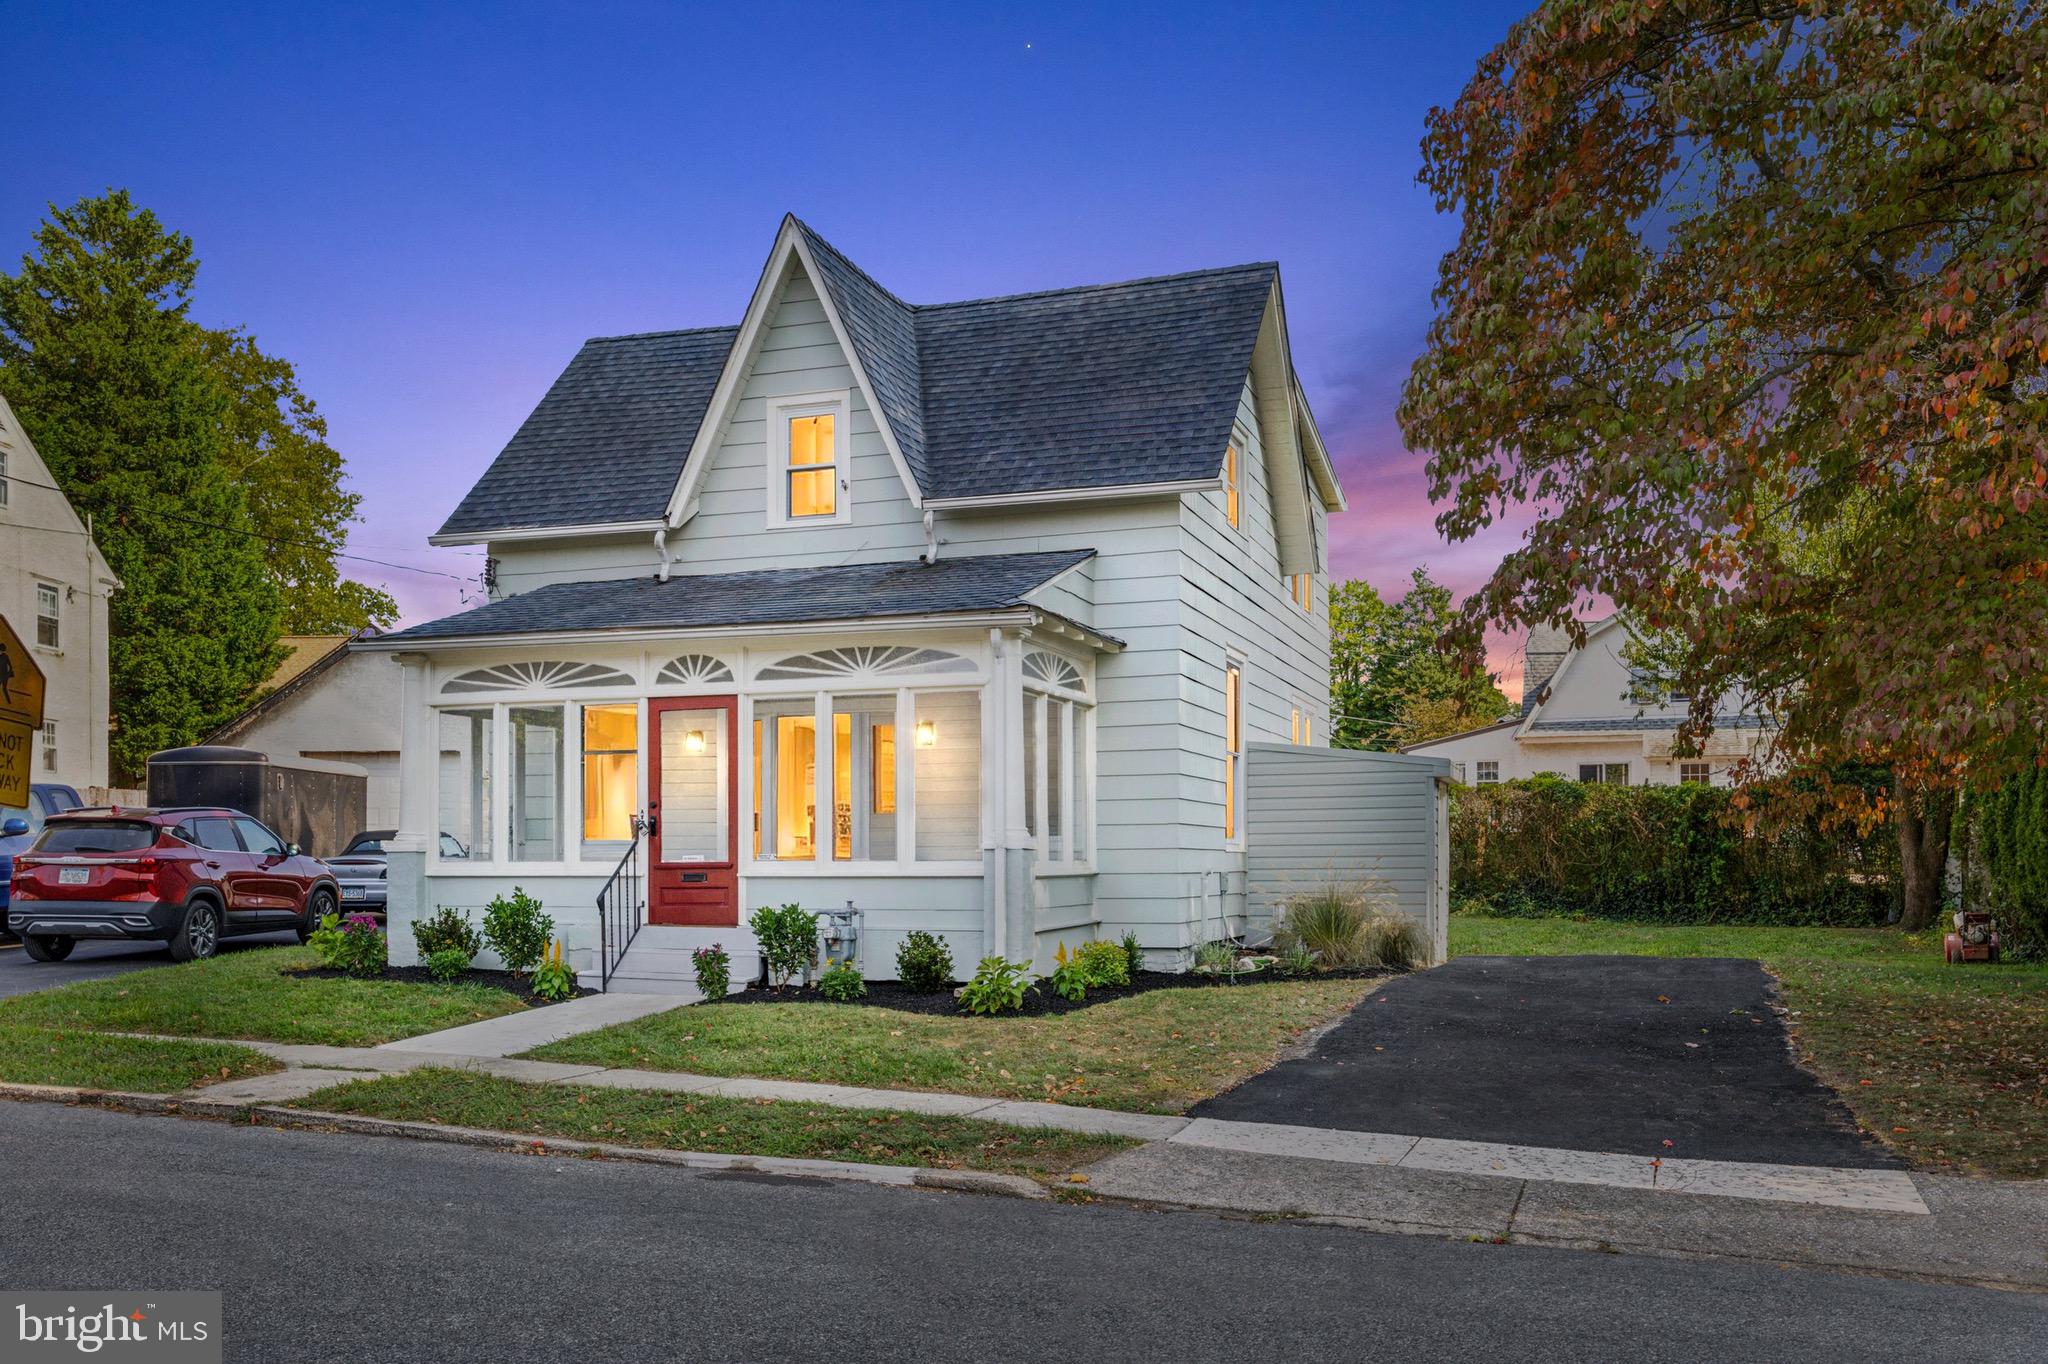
(963,613)
(328,701)
(1587,714)
(54,584)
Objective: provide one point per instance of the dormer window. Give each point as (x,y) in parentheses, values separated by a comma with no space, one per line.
(1233,498)
(807,459)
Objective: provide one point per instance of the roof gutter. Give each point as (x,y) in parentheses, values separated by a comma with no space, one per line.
(1020,617)
(1100,494)
(503,533)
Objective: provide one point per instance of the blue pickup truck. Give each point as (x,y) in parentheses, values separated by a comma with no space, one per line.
(19,827)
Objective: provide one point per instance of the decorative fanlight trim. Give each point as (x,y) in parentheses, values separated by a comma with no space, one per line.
(879,659)
(540,676)
(692,670)
(1054,671)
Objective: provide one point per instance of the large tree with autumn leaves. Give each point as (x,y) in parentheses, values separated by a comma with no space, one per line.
(1750,303)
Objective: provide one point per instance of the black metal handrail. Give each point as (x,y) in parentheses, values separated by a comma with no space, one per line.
(621,908)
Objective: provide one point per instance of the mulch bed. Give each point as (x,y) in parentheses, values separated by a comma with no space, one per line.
(417,975)
(1038,998)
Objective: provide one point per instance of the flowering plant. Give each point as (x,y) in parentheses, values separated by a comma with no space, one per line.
(714,970)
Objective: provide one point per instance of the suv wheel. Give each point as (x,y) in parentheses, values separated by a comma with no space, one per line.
(199,936)
(319,905)
(52,948)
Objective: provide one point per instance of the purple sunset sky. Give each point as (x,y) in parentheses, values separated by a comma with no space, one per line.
(427,210)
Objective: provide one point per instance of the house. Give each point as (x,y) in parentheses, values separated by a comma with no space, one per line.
(54,585)
(1587,713)
(329,702)
(961,615)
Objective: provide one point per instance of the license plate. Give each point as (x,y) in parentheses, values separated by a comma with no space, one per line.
(73,876)
(352,892)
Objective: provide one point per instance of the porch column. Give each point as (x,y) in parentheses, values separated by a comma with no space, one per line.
(418,812)
(1008,868)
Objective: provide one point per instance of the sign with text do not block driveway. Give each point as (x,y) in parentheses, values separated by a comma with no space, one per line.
(21,714)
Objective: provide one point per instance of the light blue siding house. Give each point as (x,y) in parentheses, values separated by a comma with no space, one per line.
(961,615)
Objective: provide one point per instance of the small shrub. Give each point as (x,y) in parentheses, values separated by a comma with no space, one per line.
(1069,980)
(1331,923)
(788,938)
(516,930)
(448,928)
(446,963)
(997,988)
(1217,958)
(923,962)
(326,941)
(1297,961)
(842,983)
(552,979)
(1104,963)
(1395,942)
(713,966)
(1134,953)
(360,948)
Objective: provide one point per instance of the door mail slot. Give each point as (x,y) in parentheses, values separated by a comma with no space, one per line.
(695,878)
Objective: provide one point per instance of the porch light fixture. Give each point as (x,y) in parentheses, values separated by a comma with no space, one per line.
(927,734)
(693,743)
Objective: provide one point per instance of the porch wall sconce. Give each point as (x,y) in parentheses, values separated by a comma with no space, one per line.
(693,743)
(927,734)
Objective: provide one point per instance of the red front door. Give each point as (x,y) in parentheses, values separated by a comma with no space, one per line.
(692,868)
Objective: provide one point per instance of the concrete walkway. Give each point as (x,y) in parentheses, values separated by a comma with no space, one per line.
(512,1033)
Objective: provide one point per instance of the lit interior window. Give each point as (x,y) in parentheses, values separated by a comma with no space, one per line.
(611,771)
(813,466)
(1231,498)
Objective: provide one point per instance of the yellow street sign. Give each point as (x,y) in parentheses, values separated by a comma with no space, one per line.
(21,715)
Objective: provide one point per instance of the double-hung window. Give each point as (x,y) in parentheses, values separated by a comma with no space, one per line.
(1302,587)
(1489,771)
(1611,774)
(1233,746)
(49,616)
(808,459)
(49,745)
(1233,479)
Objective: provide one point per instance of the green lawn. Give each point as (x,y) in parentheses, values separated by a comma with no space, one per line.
(44,1056)
(1157,1052)
(248,994)
(688,1122)
(1948,1064)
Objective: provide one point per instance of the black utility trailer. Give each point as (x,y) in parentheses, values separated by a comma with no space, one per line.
(316,804)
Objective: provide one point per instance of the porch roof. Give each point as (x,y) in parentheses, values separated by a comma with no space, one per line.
(776,596)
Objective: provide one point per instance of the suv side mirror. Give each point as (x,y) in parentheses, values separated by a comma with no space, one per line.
(291,850)
(14,828)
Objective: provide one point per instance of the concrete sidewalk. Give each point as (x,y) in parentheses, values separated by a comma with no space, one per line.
(525,1029)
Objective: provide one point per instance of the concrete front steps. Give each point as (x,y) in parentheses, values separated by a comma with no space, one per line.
(658,962)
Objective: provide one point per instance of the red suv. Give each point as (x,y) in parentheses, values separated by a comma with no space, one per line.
(187,877)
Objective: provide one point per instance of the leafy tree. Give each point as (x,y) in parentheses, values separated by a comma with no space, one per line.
(1390,681)
(103,369)
(1739,280)
(292,477)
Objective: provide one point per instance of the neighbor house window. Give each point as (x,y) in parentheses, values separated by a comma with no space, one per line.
(1303,589)
(1487,771)
(536,759)
(3,478)
(49,745)
(49,602)
(1646,689)
(1233,743)
(1701,774)
(1610,774)
(611,772)
(1232,494)
(807,459)
(464,781)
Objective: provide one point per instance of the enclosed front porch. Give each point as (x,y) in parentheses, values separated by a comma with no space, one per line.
(651,791)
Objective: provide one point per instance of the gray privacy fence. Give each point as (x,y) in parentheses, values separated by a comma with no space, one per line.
(1314,816)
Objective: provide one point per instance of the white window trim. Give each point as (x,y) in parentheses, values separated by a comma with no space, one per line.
(1240,440)
(839,403)
(56,591)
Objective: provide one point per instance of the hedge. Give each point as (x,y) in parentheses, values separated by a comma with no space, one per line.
(2006,857)
(1658,854)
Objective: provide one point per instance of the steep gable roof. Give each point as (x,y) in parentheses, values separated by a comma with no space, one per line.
(1084,389)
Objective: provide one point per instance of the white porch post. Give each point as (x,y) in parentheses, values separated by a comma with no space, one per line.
(824,828)
(1008,868)
(418,809)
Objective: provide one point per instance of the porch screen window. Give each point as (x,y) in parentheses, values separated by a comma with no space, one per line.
(535,834)
(946,776)
(611,772)
(465,781)
(1057,761)
(864,778)
(813,466)
(1233,743)
(786,787)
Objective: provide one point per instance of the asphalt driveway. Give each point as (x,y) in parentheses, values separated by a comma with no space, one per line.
(21,973)
(1649,1055)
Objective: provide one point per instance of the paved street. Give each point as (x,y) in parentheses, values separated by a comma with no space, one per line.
(365,1249)
(20,973)
(1643,1055)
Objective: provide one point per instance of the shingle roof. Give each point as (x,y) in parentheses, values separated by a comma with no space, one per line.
(1630,726)
(775,596)
(1091,387)
(606,442)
